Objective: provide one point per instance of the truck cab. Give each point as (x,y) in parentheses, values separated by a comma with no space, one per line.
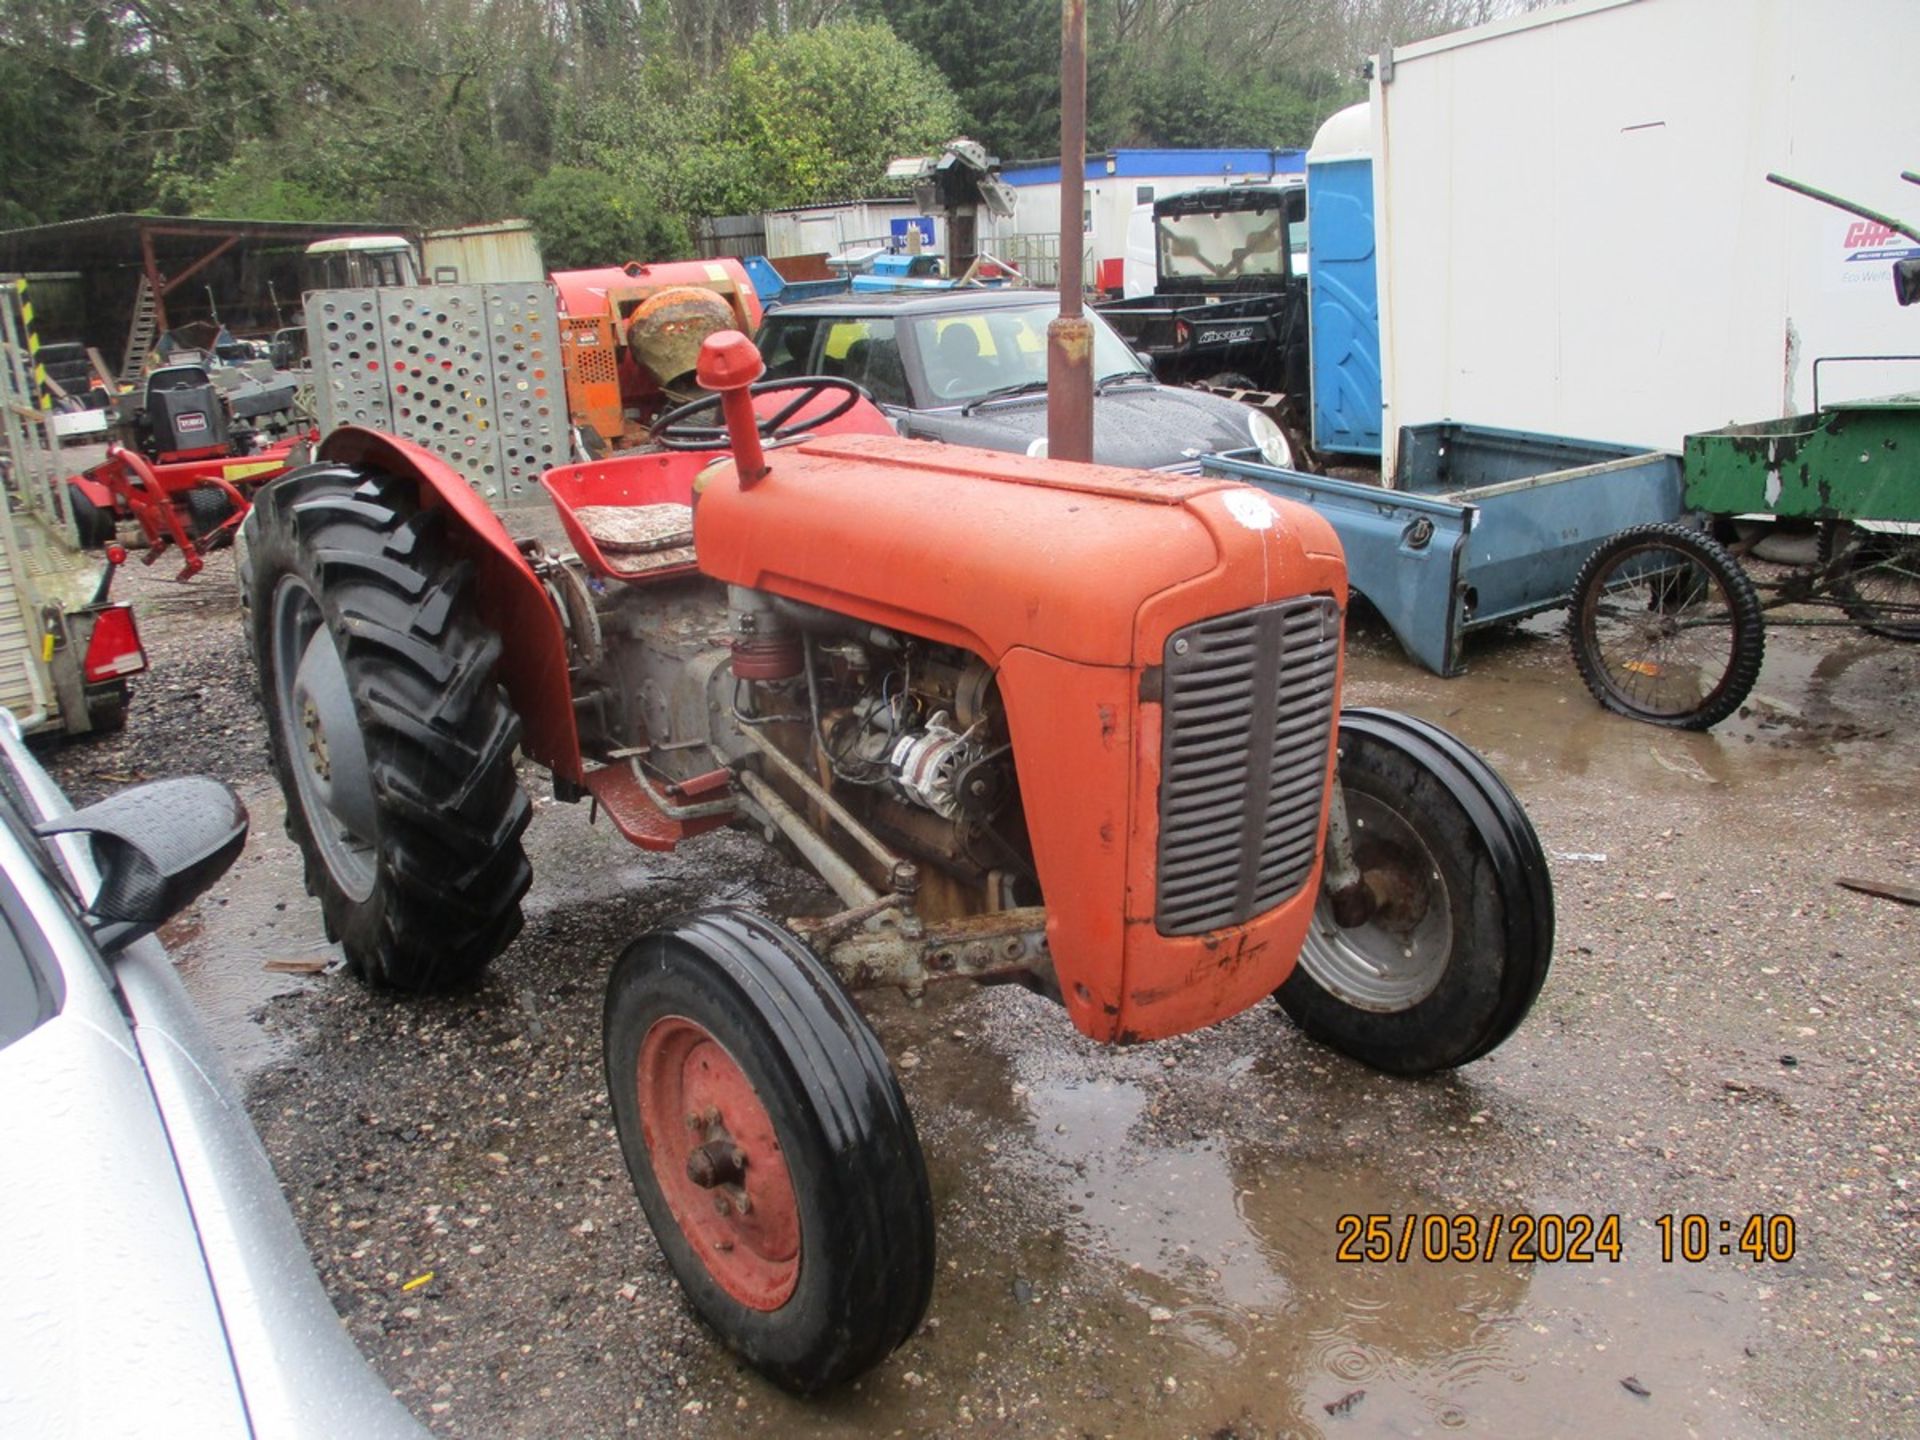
(1239,237)
(354,262)
(1229,303)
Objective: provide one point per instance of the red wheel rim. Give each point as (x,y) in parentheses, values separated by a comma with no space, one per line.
(739,1215)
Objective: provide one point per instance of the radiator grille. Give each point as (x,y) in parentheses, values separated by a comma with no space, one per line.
(1247,720)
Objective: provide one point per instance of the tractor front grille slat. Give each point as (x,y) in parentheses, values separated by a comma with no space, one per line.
(1247,721)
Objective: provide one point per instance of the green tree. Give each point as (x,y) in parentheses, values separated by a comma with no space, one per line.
(1187,101)
(790,118)
(422,112)
(585,217)
(823,111)
(1002,60)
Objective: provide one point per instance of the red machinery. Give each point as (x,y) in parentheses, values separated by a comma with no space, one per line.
(1058,725)
(630,335)
(194,504)
(182,466)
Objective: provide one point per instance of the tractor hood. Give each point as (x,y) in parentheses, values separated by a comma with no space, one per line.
(991,551)
(1145,426)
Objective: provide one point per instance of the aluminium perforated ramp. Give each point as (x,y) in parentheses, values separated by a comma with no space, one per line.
(470,372)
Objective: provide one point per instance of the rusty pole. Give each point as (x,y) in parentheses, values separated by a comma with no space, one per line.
(1070,337)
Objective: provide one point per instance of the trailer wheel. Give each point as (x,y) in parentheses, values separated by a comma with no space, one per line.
(1460,933)
(107,708)
(390,739)
(1666,627)
(1875,577)
(770,1147)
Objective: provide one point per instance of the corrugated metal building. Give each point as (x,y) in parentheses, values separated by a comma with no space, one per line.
(244,273)
(495,252)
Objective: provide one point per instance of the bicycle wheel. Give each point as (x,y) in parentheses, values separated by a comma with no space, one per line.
(1875,576)
(1666,627)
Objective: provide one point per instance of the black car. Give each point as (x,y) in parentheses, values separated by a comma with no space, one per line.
(970,367)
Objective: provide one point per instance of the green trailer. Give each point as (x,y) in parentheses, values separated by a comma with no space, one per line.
(1667,624)
(1846,462)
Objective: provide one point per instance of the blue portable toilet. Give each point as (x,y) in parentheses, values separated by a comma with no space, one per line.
(1344,288)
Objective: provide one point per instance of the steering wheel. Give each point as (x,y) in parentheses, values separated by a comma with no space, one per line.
(671,431)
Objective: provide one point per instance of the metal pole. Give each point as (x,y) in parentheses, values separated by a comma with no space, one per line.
(841,877)
(1070,337)
(1899,227)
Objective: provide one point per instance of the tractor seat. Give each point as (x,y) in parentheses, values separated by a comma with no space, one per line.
(638,539)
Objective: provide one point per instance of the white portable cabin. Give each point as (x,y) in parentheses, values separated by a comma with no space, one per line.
(1576,231)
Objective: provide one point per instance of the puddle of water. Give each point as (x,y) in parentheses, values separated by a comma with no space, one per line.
(1823,694)
(1239,1243)
(1093,1251)
(259,912)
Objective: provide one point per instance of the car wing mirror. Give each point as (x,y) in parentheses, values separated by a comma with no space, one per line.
(1906,281)
(158,847)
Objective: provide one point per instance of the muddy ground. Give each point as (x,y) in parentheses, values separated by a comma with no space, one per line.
(1143,1242)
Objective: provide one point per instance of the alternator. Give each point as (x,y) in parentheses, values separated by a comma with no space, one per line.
(927,765)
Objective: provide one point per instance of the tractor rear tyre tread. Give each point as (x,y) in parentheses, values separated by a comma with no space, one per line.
(859,1201)
(448,867)
(1479,858)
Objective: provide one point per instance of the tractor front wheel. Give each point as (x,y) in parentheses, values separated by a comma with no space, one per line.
(770,1146)
(1458,930)
(390,738)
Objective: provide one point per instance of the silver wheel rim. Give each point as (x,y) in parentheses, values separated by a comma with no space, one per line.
(1398,957)
(325,747)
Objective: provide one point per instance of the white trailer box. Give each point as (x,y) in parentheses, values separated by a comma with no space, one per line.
(1576,231)
(501,252)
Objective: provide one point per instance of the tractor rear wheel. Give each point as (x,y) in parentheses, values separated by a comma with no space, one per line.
(1460,930)
(389,736)
(770,1146)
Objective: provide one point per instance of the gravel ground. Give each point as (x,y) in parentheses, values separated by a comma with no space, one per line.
(1142,1241)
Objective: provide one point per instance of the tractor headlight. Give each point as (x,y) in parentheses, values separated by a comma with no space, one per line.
(1269,441)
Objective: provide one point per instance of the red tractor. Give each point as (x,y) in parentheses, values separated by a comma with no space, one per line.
(1065,726)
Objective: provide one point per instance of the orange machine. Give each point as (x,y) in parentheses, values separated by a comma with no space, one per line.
(630,335)
(1062,726)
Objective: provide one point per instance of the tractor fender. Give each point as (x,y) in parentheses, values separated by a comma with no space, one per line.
(510,598)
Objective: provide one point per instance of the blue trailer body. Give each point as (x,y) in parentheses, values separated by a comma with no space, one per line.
(775,290)
(1482,525)
(1344,305)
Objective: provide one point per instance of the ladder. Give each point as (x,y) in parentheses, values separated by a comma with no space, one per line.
(29,460)
(140,335)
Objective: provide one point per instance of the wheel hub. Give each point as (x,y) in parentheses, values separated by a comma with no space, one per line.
(316,741)
(719,1164)
(327,751)
(1397,955)
(1401,895)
